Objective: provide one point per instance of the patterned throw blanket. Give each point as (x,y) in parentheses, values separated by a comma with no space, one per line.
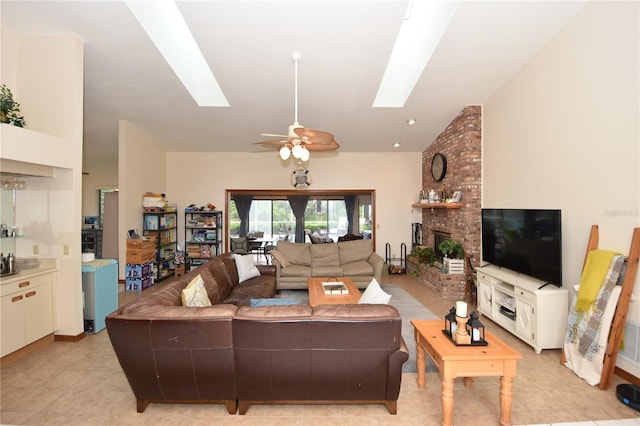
(588,329)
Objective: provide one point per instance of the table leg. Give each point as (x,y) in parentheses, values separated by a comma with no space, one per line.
(447,401)
(505,400)
(420,365)
(468,382)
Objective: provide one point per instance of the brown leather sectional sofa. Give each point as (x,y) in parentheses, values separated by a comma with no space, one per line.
(239,355)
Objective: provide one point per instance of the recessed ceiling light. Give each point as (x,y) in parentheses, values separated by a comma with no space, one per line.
(166,27)
(419,35)
(396,145)
(411,121)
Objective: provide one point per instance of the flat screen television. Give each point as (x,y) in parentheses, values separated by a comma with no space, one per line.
(528,241)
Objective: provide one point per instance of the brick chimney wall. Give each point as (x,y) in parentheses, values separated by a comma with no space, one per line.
(460,142)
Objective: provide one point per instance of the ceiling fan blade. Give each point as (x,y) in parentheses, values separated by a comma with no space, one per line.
(314,136)
(274,135)
(272,142)
(322,147)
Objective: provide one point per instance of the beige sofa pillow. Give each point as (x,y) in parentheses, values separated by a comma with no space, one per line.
(295,253)
(280,258)
(325,255)
(353,251)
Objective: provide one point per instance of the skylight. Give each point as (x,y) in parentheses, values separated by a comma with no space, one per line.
(419,35)
(166,27)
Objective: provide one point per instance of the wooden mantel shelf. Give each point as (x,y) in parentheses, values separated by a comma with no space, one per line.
(437,205)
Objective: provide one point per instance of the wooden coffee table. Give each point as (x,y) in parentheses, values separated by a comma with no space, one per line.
(495,359)
(317,296)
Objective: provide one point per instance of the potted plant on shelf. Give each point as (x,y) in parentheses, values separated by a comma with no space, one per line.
(10,109)
(453,262)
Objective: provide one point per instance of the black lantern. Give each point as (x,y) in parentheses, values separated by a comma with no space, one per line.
(450,323)
(475,329)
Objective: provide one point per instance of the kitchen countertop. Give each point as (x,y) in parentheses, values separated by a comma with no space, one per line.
(46,265)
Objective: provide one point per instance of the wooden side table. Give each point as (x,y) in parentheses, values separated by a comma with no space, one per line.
(495,359)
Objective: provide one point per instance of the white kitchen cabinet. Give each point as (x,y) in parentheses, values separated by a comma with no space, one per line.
(520,304)
(27,310)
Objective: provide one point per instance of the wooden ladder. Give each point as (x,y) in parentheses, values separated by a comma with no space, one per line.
(620,317)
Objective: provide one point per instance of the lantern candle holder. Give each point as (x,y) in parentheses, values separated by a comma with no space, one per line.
(464,331)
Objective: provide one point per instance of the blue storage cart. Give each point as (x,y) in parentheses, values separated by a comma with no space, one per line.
(100,292)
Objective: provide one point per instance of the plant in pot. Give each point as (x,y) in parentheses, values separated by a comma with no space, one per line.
(453,251)
(424,255)
(10,109)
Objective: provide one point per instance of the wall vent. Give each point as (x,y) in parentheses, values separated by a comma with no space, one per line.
(631,352)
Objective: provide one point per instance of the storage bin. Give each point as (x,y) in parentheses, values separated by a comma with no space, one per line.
(138,284)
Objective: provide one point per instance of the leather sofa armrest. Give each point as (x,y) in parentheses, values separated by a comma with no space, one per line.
(267,270)
(378,264)
(277,266)
(395,370)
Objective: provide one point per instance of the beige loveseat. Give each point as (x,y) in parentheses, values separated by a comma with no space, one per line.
(296,262)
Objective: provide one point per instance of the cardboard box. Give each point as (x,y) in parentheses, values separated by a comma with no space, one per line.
(138,284)
(182,268)
(138,270)
(140,251)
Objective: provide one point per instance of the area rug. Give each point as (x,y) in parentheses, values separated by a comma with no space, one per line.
(409,309)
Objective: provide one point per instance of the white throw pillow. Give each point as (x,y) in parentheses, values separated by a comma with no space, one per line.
(245,266)
(195,293)
(375,294)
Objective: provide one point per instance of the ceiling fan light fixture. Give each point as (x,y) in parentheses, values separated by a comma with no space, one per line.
(305,154)
(285,152)
(297,150)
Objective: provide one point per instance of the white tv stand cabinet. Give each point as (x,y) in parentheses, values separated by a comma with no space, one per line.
(538,316)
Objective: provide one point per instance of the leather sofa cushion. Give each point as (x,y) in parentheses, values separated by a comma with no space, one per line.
(274,313)
(155,312)
(361,267)
(169,295)
(296,271)
(296,253)
(218,270)
(352,251)
(260,287)
(230,265)
(324,255)
(327,271)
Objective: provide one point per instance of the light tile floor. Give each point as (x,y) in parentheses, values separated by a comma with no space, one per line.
(82,384)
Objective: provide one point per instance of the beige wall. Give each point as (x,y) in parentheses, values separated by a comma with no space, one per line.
(101,176)
(202,178)
(563,133)
(141,168)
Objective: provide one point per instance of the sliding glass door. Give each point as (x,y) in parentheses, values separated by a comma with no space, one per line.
(328,215)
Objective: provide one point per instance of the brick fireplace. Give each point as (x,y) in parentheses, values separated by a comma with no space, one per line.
(460,142)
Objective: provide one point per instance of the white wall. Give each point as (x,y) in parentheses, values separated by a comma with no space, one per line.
(200,178)
(45,74)
(564,133)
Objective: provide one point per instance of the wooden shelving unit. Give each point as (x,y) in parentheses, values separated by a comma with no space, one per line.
(160,226)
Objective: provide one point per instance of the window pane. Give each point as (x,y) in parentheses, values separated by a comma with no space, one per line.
(284,222)
(260,217)
(337,219)
(315,219)
(234,219)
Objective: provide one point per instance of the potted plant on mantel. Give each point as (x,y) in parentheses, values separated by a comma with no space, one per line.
(453,262)
(10,109)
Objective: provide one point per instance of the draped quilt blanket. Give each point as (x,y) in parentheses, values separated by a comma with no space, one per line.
(588,326)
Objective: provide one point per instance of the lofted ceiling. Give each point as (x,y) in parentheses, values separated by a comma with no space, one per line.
(345,46)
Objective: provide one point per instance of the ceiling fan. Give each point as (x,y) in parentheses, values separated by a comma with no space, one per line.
(300,140)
